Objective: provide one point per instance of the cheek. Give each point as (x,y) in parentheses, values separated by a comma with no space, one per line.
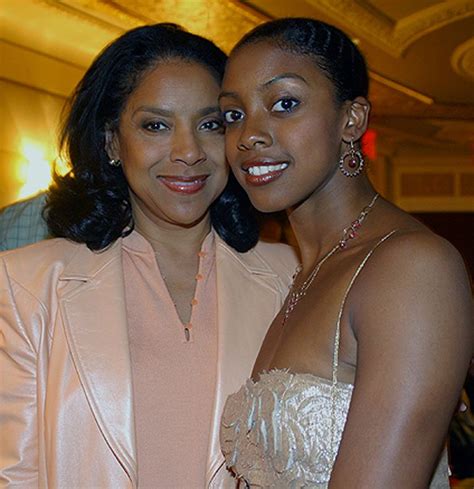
(231,151)
(222,181)
(214,149)
(138,154)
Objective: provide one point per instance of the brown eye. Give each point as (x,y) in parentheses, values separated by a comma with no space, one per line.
(231,116)
(285,105)
(212,125)
(155,126)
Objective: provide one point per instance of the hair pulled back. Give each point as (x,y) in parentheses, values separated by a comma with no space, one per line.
(332,50)
(91,203)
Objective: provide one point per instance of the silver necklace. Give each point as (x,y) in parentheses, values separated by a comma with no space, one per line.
(350,232)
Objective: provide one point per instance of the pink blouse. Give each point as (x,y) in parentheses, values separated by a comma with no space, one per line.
(173,379)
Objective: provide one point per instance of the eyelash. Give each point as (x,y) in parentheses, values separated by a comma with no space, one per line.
(294,103)
(230,113)
(155,126)
(158,126)
(218,124)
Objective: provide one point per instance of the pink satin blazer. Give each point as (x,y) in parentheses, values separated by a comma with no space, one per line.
(66,407)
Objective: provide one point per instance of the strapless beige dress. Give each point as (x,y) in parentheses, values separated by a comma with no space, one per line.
(284,430)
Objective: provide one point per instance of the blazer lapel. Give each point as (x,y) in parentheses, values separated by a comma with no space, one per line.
(249,296)
(93,310)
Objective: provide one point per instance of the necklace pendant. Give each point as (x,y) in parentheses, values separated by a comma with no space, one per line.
(348,233)
(187,334)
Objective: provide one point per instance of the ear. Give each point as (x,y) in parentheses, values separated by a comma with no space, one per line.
(357,119)
(112,145)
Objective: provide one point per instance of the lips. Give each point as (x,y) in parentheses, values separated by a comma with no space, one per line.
(259,173)
(182,184)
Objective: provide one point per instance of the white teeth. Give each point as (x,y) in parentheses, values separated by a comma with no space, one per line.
(263,170)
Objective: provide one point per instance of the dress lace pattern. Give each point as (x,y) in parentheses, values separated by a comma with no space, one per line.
(277,432)
(283,431)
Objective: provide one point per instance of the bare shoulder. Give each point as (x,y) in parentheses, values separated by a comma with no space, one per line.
(410,312)
(415,283)
(416,252)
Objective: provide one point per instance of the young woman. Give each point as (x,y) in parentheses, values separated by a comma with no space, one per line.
(122,338)
(360,372)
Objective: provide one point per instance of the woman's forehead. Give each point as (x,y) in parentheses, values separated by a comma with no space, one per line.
(266,62)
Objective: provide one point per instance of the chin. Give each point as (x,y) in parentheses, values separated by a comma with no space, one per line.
(268,205)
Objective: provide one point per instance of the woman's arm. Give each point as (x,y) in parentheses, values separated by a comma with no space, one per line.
(18,390)
(411,312)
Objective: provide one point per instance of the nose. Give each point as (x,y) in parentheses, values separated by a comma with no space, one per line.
(253,135)
(186,148)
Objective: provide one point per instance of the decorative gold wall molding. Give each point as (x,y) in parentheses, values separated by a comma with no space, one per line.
(427,185)
(432,186)
(467,184)
(204,17)
(401,88)
(29,86)
(38,70)
(33,51)
(393,37)
(78,10)
(462,59)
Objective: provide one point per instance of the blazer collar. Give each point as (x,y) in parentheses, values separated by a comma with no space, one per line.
(93,309)
(250,294)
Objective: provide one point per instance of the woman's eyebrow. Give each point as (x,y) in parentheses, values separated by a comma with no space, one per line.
(212,109)
(276,78)
(168,113)
(153,110)
(284,76)
(227,94)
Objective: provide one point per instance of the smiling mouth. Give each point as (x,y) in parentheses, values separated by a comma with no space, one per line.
(184,185)
(260,173)
(258,170)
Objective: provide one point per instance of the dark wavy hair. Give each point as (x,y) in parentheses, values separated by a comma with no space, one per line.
(91,203)
(332,50)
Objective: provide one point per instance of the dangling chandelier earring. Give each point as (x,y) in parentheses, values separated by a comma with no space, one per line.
(113,162)
(352,162)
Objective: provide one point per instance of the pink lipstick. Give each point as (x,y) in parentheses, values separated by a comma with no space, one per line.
(184,185)
(259,173)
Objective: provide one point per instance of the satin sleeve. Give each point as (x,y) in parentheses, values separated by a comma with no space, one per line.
(18,386)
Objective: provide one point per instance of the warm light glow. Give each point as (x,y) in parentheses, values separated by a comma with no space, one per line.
(61,166)
(369,144)
(34,170)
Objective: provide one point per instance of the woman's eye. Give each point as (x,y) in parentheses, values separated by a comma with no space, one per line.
(231,116)
(155,126)
(285,105)
(212,125)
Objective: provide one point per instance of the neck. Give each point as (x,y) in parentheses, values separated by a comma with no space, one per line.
(318,222)
(175,239)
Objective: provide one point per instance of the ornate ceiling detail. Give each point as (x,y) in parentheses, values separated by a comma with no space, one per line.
(393,37)
(204,17)
(387,103)
(79,10)
(416,106)
(462,59)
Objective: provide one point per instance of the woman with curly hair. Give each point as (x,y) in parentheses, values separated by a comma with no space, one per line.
(122,337)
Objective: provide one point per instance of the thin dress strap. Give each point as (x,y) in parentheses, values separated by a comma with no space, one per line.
(337,336)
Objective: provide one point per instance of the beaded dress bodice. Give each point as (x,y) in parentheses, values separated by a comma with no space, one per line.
(284,430)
